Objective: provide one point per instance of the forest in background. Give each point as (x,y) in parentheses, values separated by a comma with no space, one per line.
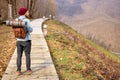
(37,8)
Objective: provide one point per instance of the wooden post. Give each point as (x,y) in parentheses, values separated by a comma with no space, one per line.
(50,16)
(45,30)
(43,18)
(10,12)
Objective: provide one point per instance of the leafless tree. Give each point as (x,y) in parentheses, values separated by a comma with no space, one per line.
(37,8)
(51,7)
(3,9)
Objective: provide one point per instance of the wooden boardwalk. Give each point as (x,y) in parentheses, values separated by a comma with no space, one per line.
(42,64)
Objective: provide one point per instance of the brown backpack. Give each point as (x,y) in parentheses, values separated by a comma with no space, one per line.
(19,31)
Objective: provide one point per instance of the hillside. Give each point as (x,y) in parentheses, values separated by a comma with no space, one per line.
(100,18)
(77,58)
(102,31)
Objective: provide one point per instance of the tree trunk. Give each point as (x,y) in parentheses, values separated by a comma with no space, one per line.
(28,1)
(10,12)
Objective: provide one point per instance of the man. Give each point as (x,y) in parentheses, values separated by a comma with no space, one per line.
(24,44)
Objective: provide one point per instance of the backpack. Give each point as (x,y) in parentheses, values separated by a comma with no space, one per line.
(18,29)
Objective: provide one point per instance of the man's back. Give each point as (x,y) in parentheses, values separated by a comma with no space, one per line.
(28,27)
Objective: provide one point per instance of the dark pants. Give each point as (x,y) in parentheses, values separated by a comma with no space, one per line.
(26,47)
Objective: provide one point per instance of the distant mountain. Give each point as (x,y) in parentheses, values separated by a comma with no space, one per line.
(91,7)
(96,19)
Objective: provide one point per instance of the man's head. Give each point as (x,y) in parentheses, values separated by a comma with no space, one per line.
(24,11)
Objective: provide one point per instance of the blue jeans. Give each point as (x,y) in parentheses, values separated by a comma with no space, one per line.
(26,47)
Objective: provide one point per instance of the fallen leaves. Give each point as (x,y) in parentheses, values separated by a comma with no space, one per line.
(7,46)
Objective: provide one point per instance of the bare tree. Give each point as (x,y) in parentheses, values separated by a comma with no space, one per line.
(37,8)
(51,8)
(3,9)
(14,8)
(41,8)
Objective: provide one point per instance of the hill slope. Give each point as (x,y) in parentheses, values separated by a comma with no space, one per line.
(77,58)
(104,31)
(87,15)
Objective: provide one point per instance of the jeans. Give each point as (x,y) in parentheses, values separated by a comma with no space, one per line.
(26,47)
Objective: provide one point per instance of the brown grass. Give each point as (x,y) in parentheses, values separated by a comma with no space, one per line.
(7,46)
(77,58)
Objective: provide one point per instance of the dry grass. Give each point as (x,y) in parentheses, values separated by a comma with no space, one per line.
(77,58)
(7,46)
(103,30)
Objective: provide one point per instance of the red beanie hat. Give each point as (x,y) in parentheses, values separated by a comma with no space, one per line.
(22,11)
